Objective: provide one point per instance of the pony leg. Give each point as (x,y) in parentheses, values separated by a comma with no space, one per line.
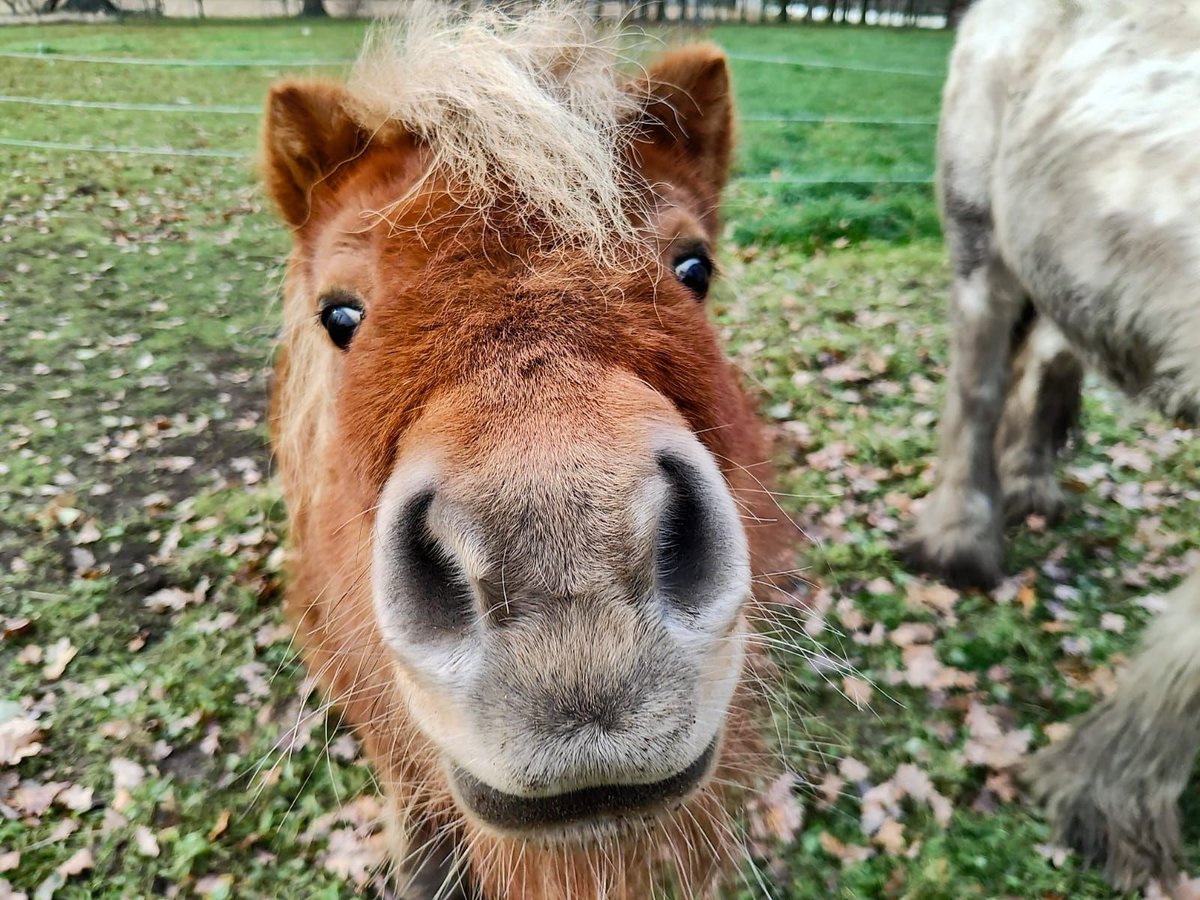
(958,536)
(1041,411)
(1112,787)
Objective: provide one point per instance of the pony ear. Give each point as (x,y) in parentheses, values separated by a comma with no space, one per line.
(307,135)
(688,111)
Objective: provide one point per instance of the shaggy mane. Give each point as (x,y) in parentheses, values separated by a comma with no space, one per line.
(525,114)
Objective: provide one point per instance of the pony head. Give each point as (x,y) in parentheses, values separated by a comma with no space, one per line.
(515,459)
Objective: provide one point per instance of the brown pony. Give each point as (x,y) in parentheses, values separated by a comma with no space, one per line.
(518,468)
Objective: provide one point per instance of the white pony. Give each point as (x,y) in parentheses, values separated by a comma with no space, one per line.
(1069,178)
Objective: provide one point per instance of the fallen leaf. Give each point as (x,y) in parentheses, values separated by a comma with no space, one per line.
(33,798)
(30,655)
(88,534)
(849,854)
(127,774)
(252,673)
(173,599)
(147,843)
(76,798)
(1056,854)
(922,596)
(211,885)
(912,633)
(353,856)
(890,836)
(80,861)
(15,626)
(989,744)
(18,740)
(1027,598)
(219,827)
(857,690)
(58,655)
(852,770)
(830,789)
(63,830)
(776,813)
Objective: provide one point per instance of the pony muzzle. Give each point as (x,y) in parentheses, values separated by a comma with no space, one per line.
(583,812)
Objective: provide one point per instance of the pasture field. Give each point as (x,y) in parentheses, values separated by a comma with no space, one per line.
(179,753)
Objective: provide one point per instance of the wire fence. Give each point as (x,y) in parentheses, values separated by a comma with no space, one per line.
(777,178)
(894,13)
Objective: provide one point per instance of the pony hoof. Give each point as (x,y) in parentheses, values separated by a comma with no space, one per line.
(960,564)
(1127,828)
(1038,496)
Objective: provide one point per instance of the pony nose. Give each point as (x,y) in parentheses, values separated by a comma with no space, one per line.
(664,533)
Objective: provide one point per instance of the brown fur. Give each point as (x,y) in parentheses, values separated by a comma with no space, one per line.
(524,345)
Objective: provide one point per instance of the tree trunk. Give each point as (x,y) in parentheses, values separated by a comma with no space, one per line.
(783,12)
(661,11)
(313,9)
(954,11)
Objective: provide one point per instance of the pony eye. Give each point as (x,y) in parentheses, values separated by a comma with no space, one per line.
(694,272)
(341,320)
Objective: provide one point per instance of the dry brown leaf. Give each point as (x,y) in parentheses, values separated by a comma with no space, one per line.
(890,836)
(922,596)
(127,774)
(912,633)
(829,789)
(58,655)
(112,821)
(989,744)
(1113,622)
(168,599)
(76,798)
(853,770)
(1056,854)
(211,741)
(147,843)
(88,534)
(849,854)
(857,690)
(63,830)
(253,674)
(15,626)
(33,798)
(1027,598)
(219,827)
(30,655)
(776,813)
(353,856)
(80,861)
(18,740)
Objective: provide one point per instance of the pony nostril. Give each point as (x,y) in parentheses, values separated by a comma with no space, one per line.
(688,538)
(430,580)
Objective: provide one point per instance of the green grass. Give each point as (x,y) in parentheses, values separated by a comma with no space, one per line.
(137,309)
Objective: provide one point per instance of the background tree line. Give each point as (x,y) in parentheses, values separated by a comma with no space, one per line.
(850,12)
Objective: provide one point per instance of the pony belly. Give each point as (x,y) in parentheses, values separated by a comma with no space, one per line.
(1095,198)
